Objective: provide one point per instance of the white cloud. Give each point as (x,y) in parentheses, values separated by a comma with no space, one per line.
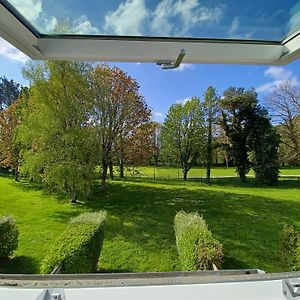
(183,101)
(184,67)
(189,12)
(278,73)
(10,52)
(279,76)
(30,9)
(128,19)
(160,23)
(234,26)
(49,24)
(83,25)
(157,114)
(294,21)
(235,30)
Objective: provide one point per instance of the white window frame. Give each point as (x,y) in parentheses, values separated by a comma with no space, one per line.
(143,49)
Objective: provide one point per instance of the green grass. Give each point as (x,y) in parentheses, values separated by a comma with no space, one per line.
(246,219)
(197,172)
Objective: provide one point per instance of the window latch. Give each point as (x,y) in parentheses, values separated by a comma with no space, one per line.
(291,288)
(167,64)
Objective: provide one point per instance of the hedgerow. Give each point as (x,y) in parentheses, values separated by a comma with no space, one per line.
(9,234)
(290,254)
(78,248)
(197,248)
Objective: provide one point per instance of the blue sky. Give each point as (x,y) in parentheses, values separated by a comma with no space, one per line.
(254,19)
(162,88)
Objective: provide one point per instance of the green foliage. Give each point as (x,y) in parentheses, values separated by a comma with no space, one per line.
(9,234)
(253,140)
(289,241)
(55,135)
(9,92)
(182,134)
(197,248)
(78,248)
(237,106)
(211,110)
(264,141)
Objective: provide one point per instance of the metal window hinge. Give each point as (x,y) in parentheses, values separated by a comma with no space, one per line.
(52,294)
(168,64)
(291,288)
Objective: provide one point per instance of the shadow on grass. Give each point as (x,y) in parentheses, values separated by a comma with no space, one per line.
(19,265)
(283,183)
(248,226)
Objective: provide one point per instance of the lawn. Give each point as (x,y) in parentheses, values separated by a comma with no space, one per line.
(247,219)
(197,172)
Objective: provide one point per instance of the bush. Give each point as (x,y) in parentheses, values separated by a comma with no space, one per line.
(78,248)
(197,248)
(289,247)
(9,234)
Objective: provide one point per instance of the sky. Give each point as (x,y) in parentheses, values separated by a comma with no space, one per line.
(161,88)
(181,18)
(227,19)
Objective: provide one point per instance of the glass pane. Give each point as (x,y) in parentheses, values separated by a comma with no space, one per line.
(230,19)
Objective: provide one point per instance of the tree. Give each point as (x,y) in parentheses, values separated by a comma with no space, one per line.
(284,103)
(55,133)
(10,118)
(118,112)
(253,140)
(9,92)
(156,141)
(264,143)
(182,134)
(237,104)
(139,148)
(211,114)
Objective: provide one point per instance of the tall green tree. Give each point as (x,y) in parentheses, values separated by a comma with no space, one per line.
(264,143)
(211,110)
(55,132)
(182,134)
(237,106)
(252,138)
(9,92)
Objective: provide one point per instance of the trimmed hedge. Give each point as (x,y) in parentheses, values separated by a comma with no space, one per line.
(290,248)
(289,240)
(78,248)
(197,248)
(9,234)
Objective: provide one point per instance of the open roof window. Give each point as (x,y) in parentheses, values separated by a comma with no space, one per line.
(210,31)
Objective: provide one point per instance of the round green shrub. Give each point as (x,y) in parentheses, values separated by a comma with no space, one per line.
(9,234)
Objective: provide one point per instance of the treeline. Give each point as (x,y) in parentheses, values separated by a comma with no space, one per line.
(75,118)
(234,123)
(79,122)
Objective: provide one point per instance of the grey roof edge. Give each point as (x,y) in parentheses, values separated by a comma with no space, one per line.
(138,279)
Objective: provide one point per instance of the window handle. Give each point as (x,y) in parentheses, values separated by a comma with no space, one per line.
(167,65)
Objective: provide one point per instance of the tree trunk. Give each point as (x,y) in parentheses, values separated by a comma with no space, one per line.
(104,176)
(111,169)
(121,165)
(185,172)
(209,152)
(73,195)
(16,175)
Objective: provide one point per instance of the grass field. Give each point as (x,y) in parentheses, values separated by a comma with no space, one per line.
(139,236)
(175,173)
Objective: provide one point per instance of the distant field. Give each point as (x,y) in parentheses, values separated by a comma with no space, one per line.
(173,173)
